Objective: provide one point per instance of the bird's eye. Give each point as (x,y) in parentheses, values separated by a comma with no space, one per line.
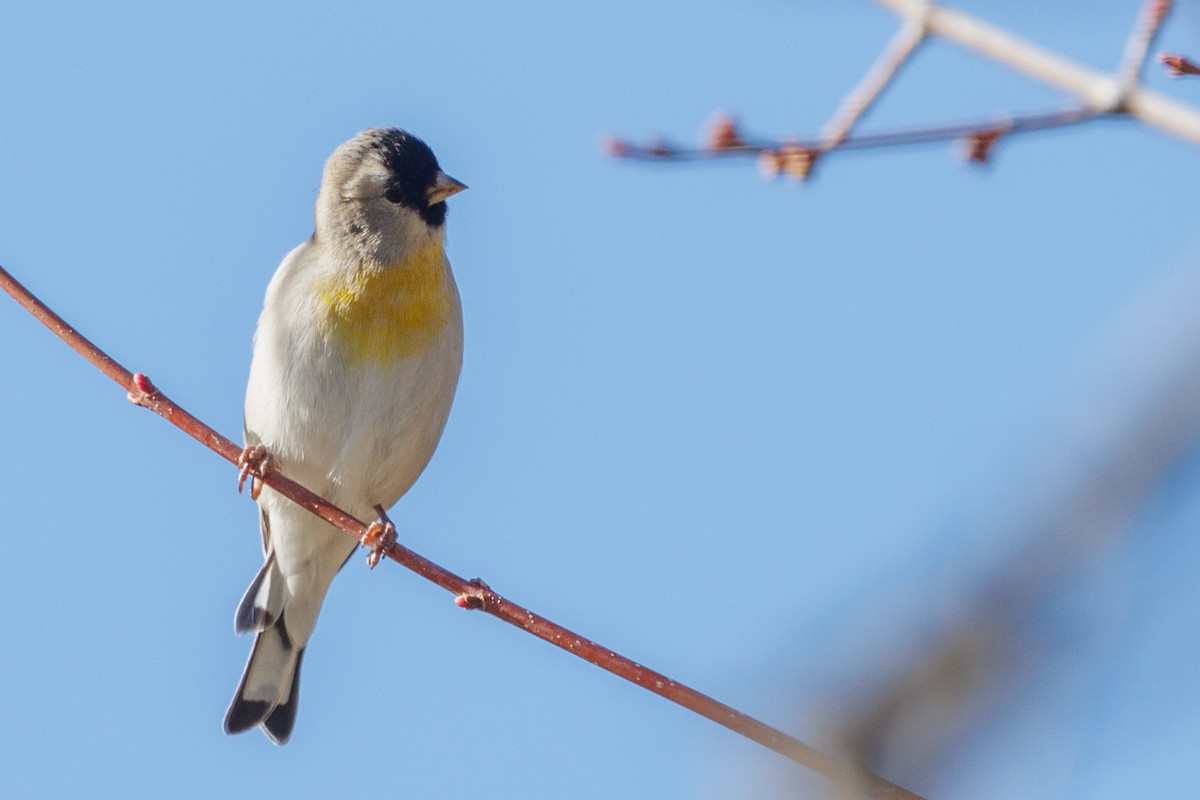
(393,195)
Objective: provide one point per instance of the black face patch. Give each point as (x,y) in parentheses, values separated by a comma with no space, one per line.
(413,169)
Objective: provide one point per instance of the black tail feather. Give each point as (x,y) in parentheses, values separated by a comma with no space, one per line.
(276,720)
(245,714)
(278,725)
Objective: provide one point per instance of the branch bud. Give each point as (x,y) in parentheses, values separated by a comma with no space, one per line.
(1177,65)
(979,145)
(723,133)
(614,147)
(796,161)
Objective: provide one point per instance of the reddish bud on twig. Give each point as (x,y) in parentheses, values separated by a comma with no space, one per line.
(475,597)
(723,134)
(143,389)
(796,161)
(1177,65)
(617,148)
(143,383)
(979,145)
(793,160)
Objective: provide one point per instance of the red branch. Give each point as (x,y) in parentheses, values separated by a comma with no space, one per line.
(469,594)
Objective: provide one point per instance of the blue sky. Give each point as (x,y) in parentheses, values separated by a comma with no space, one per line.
(750,434)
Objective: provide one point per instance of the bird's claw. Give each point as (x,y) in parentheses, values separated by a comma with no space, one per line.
(253,463)
(379,536)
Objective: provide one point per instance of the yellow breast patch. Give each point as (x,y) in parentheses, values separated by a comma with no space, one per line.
(386,313)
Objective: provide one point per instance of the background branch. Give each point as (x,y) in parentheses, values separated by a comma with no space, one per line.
(1098,95)
(1097,90)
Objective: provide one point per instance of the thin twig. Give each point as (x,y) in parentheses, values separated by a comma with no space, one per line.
(859,101)
(469,594)
(1150,21)
(663,151)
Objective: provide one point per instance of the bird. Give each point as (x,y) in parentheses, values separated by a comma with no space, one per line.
(355,364)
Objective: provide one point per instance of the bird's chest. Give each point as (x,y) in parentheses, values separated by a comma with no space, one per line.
(383,314)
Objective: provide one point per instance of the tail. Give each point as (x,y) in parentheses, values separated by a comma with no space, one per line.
(270,687)
(282,618)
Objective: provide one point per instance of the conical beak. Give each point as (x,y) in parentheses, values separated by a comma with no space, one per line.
(443,187)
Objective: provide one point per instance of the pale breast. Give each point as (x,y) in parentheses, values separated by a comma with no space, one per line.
(365,378)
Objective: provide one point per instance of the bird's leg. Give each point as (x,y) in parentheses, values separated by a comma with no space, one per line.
(253,463)
(380,536)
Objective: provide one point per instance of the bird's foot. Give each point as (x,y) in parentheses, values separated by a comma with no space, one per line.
(254,463)
(380,536)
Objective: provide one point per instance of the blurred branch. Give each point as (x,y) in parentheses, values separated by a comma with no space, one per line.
(1154,13)
(473,594)
(862,97)
(780,158)
(1097,96)
(920,717)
